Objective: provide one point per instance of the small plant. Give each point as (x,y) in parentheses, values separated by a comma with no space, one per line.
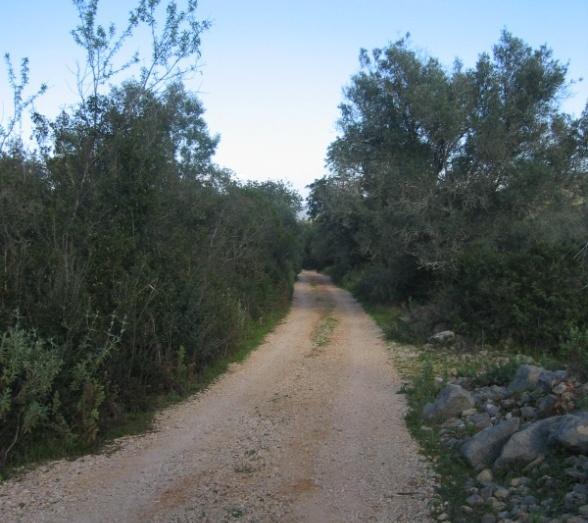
(244,468)
(453,472)
(498,373)
(424,387)
(29,367)
(321,335)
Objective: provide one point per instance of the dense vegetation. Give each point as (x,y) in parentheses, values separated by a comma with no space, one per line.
(460,194)
(130,262)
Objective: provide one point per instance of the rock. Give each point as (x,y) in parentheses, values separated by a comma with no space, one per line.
(572,460)
(496,505)
(578,475)
(576,519)
(498,392)
(546,405)
(576,497)
(521,515)
(527,444)
(454,442)
(442,338)
(474,499)
(559,389)
(482,449)
(491,409)
(453,423)
(480,420)
(572,432)
(549,379)
(485,476)
(528,413)
(525,398)
(486,492)
(526,378)
(488,518)
(501,493)
(492,393)
(583,510)
(450,402)
(537,462)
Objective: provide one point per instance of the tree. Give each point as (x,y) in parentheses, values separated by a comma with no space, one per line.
(433,166)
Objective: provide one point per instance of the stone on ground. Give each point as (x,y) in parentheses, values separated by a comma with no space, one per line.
(482,449)
(572,432)
(528,444)
(526,378)
(450,402)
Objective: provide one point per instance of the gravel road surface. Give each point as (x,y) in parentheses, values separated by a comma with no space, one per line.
(309,428)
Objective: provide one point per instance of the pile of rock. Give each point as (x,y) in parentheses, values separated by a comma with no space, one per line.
(508,432)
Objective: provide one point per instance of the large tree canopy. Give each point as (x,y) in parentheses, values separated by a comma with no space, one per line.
(433,164)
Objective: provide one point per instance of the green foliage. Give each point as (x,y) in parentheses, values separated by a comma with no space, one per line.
(28,369)
(497,373)
(452,470)
(123,244)
(531,295)
(395,322)
(574,348)
(463,188)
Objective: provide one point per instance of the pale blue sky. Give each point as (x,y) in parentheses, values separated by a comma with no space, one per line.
(273,71)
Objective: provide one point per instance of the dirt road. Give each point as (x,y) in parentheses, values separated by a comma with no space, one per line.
(309,428)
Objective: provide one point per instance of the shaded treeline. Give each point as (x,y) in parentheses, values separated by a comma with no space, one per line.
(130,262)
(460,193)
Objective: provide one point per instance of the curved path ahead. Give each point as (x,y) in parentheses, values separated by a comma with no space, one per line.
(309,428)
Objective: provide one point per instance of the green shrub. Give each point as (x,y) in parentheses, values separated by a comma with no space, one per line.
(122,213)
(29,367)
(531,295)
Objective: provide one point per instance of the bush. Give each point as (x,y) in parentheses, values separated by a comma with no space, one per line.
(29,401)
(184,265)
(532,295)
(128,219)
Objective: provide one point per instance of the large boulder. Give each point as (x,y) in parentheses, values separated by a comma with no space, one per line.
(528,444)
(526,378)
(481,450)
(450,402)
(572,432)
